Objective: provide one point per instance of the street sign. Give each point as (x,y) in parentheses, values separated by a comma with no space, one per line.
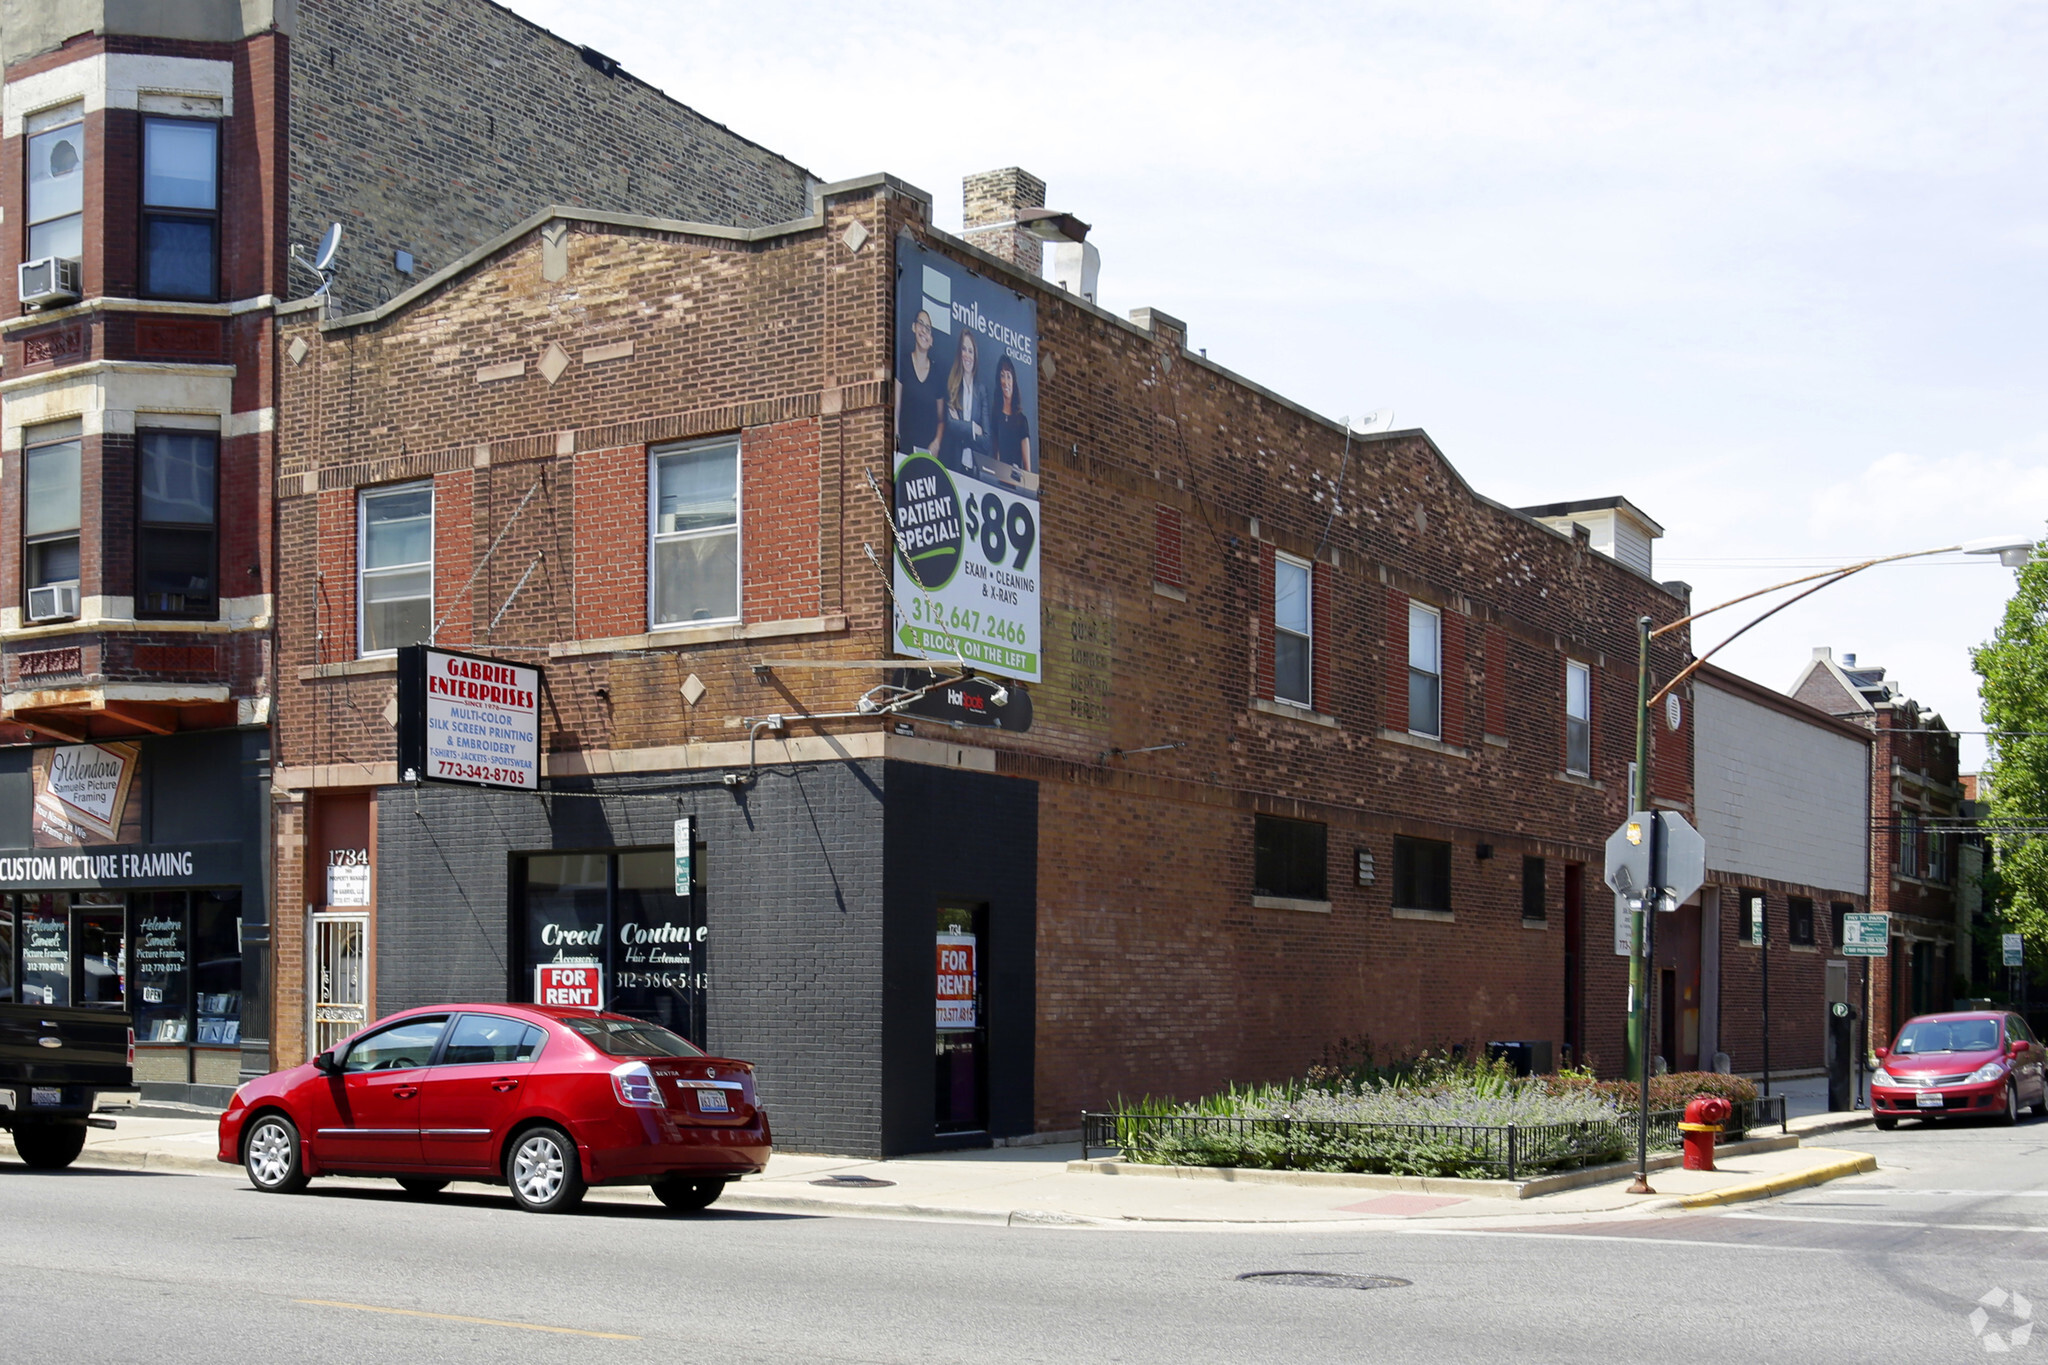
(1866,935)
(1756,921)
(683,856)
(2015,950)
(1684,857)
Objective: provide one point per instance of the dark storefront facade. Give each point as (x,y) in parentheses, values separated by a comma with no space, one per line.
(169,924)
(863,931)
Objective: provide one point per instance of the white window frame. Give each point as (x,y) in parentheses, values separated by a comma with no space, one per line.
(70,114)
(736,530)
(1572,667)
(1424,608)
(364,496)
(1307,636)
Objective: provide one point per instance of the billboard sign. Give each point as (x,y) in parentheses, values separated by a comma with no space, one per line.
(468,719)
(966,570)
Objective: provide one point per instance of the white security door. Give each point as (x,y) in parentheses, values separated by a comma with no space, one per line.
(341,977)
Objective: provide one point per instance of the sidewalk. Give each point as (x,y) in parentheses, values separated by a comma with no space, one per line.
(1035,1185)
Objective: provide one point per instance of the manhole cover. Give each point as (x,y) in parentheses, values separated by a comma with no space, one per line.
(853,1182)
(1323,1279)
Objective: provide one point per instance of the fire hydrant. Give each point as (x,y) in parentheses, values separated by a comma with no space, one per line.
(1703,1118)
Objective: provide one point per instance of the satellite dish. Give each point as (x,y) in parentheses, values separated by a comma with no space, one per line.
(324,258)
(1382,420)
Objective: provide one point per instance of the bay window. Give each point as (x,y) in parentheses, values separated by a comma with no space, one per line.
(180,208)
(175,543)
(56,182)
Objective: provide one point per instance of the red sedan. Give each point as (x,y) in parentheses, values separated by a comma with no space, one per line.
(549,1101)
(1983,1063)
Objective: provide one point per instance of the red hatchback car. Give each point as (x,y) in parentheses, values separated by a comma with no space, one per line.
(1984,1063)
(549,1101)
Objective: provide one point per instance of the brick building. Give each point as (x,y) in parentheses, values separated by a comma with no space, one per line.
(1304,739)
(167,169)
(1783,793)
(1917,844)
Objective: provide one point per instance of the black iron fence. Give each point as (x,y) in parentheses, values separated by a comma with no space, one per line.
(1472,1151)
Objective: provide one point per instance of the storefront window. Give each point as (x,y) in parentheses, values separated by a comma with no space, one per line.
(6,949)
(99,924)
(217,969)
(162,968)
(619,911)
(45,951)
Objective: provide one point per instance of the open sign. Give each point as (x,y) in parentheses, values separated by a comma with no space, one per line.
(576,986)
(956,981)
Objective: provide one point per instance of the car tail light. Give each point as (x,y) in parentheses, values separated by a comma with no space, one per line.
(131,1049)
(636,1086)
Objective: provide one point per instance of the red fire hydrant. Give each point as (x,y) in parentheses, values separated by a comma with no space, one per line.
(1703,1118)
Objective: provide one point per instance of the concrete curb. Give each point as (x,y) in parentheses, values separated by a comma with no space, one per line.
(1854,1163)
(1818,1124)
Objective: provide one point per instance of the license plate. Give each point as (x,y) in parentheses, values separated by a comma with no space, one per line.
(46,1094)
(1927,1101)
(713,1102)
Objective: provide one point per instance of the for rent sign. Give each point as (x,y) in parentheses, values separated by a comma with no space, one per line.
(468,719)
(956,994)
(576,986)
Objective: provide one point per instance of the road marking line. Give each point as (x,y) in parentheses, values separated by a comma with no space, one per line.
(457,1317)
(1604,1237)
(1892,1223)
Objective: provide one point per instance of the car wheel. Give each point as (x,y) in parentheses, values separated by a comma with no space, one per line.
(2012,1106)
(49,1146)
(421,1185)
(1883,1124)
(2040,1106)
(691,1196)
(543,1172)
(271,1156)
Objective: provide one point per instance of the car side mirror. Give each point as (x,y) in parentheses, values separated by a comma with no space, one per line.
(2016,1047)
(1884,1054)
(326,1062)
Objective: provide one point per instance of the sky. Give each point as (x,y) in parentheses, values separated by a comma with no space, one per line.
(1774,272)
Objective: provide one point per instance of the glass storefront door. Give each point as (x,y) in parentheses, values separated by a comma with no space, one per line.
(960,1054)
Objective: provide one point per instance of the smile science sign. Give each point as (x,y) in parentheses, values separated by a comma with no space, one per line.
(468,719)
(967,467)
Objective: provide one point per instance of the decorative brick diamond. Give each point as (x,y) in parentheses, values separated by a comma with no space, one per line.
(855,237)
(298,349)
(553,361)
(693,689)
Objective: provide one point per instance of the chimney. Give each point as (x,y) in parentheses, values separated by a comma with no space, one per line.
(995,201)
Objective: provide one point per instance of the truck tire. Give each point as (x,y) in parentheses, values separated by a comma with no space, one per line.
(49,1146)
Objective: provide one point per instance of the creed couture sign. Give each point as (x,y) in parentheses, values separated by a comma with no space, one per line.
(468,719)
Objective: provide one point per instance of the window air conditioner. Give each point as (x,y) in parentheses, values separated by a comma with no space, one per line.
(53,602)
(50,280)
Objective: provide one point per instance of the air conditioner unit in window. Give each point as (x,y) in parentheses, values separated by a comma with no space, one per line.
(53,602)
(50,280)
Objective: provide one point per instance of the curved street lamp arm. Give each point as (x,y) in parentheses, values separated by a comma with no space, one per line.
(1832,575)
(1694,666)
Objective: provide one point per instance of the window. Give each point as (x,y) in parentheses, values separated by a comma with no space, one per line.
(56,183)
(49,526)
(1578,718)
(1909,843)
(396,591)
(1422,874)
(180,208)
(490,1038)
(694,571)
(175,570)
(1535,901)
(400,1047)
(618,911)
(1289,858)
(1750,915)
(1291,638)
(1425,671)
(1937,863)
(1799,920)
(1838,910)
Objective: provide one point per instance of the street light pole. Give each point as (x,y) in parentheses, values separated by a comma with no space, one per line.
(1642,924)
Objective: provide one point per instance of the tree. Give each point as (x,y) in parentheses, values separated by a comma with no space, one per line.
(2014,669)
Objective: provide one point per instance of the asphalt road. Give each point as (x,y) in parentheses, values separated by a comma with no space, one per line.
(105,1265)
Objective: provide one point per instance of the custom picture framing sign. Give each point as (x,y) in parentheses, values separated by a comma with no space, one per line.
(468,719)
(967,467)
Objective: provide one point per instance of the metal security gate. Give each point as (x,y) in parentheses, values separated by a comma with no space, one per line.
(341,977)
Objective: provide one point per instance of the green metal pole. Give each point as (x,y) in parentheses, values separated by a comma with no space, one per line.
(1638,799)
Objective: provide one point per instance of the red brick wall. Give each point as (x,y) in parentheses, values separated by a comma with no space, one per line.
(779,471)
(611,541)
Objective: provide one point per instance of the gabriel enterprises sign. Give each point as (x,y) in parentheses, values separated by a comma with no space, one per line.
(468,719)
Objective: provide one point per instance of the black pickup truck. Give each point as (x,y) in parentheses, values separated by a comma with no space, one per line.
(54,1064)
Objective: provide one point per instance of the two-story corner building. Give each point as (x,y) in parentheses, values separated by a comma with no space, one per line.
(166,173)
(1192,731)
(1915,807)
(1783,793)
